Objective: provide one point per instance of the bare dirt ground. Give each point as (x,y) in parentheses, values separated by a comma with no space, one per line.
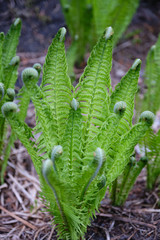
(22,214)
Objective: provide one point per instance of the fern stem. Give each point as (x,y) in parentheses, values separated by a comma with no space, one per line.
(47,166)
(6,156)
(133,173)
(114,190)
(100,158)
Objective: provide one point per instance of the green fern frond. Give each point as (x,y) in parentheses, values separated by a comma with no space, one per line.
(125,150)
(11,42)
(71,143)
(1,51)
(92,90)
(23,101)
(56,84)
(126,90)
(117,14)
(11,73)
(23,132)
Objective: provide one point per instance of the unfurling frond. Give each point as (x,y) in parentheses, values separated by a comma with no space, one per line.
(147,117)
(9,108)
(11,93)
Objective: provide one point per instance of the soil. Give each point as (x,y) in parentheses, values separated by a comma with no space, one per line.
(22,215)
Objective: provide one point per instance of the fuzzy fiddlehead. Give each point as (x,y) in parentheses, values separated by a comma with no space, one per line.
(11,94)
(99,157)
(14,61)
(147,117)
(9,109)
(74,104)
(120,108)
(38,67)
(29,77)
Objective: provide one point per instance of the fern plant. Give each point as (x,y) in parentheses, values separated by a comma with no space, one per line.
(83,136)
(86,20)
(9,63)
(151,101)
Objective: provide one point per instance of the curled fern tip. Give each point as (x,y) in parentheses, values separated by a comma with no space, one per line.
(15,60)
(29,75)
(8,109)
(63,33)
(74,104)
(11,93)
(120,107)
(109,33)
(136,63)
(56,152)
(38,67)
(147,117)
(17,21)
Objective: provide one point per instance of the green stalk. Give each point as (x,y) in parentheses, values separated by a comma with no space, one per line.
(130,180)
(99,159)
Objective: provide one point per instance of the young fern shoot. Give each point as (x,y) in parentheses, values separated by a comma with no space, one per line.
(85,134)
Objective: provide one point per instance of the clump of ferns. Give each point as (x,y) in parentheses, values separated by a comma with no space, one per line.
(9,63)
(83,136)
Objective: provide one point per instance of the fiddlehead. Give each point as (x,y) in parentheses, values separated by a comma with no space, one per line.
(9,108)
(11,94)
(147,117)
(15,61)
(120,107)
(29,77)
(38,67)
(74,104)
